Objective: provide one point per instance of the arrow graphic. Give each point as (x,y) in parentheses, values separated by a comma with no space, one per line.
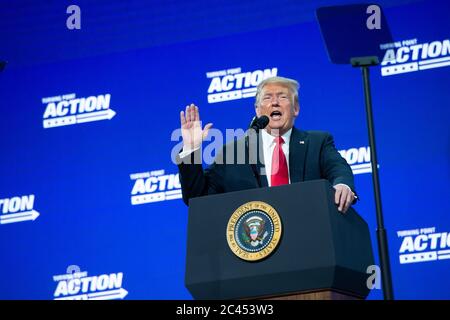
(103,295)
(95,116)
(361,168)
(79,118)
(108,295)
(19,217)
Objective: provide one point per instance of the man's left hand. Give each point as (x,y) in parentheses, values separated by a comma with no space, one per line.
(343,197)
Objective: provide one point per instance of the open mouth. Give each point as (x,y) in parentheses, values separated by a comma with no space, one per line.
(275,115)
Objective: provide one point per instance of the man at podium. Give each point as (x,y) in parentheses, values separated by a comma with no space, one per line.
(289,154)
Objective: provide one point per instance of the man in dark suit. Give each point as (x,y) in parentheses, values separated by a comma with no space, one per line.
(286,154)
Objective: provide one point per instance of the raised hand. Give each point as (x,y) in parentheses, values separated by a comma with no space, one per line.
(191,128)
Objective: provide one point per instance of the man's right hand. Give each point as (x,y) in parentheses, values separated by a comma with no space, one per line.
(191,128)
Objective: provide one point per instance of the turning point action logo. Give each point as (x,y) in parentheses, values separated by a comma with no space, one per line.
(17,209)
(77,285)
(68,110)
(409,56)
(425,244)
(233,84)
(358,159)
(154,186)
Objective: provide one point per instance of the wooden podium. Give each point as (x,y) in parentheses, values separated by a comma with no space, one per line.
(322,253)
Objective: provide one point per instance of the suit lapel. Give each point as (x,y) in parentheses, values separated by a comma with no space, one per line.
(298,146)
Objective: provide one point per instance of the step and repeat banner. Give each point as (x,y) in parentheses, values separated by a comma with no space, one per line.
(90,201)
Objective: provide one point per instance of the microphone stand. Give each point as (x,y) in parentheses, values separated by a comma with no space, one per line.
(254,129)
(383,252)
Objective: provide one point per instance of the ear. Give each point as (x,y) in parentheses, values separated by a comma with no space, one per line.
(296,110)
(258,111)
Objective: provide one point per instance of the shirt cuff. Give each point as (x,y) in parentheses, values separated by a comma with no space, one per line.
(185,153)
(343,184)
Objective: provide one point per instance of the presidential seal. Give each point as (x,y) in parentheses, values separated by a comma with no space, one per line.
(254,231)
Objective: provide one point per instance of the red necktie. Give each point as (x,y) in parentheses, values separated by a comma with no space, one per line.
(279,173)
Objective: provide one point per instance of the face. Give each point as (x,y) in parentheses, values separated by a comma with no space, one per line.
(277,103)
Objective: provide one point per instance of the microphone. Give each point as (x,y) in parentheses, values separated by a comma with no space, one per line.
(256,124)
(259,123)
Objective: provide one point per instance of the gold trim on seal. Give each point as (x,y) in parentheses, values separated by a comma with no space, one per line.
(237,214)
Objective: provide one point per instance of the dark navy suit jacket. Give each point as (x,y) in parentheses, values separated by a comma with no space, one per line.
(312,155)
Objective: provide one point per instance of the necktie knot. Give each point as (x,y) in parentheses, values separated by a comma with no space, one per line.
(279,140)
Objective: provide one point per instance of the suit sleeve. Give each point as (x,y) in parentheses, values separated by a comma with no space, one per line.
(196,182)
(333,165)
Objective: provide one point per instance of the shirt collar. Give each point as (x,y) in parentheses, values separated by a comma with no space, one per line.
(269,139)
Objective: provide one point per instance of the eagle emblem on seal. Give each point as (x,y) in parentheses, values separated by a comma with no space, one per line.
(255,231)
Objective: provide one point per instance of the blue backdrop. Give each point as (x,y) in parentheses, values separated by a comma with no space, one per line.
(96,198)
